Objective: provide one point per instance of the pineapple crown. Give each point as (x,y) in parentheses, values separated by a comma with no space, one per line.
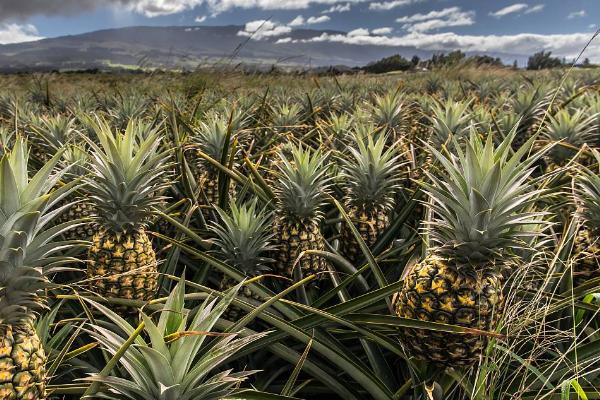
(243,237)
(573,129)
(166,361)
(370,174)
(127,175)
(212,136)
(303,183)
(286,115)
(587,195)
(449,119)
(54,132)
(481,199)
(27,246)
(388,111)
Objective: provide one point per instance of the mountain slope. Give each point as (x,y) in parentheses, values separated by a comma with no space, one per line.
(186,47)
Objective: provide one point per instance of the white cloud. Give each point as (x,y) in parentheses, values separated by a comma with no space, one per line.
(337,8)
(17,33)
(157,8)
(358,32)
(317,20)
(389,5)
(261,29)
(452,16)
(534,9)
(382,31)
(524,44)
(512,9)
(218,6)
(517,8)
(577,14)
(200,19)
(298,21)
(284,40)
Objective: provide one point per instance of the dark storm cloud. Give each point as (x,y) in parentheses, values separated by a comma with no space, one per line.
(23,9)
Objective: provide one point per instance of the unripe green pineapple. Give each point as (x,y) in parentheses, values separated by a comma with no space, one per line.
(243,242)
(28,253)
(371,179)
(480,202)
(529,103)
(300,190)
(127,176)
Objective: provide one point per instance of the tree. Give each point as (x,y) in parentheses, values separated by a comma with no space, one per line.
(543,60)
(415,60)
(388,64)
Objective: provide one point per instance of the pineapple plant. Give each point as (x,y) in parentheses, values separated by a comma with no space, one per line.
(449,119)
(529,104)
(173,358)
(570,131)
(300,194)
(586,248)
(371,179)
(243,242)
(28,254)
(480,203)
(126,176)
(50,133)
(211,139)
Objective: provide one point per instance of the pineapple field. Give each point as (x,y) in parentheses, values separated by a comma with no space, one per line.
(419,236)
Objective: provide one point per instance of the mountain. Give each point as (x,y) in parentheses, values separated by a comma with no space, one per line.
(186,47)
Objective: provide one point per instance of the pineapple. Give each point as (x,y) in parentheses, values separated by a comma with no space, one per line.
(127,175)
(479,204)
(211,139)
(300,192)
(586,247)
(77,206)
(371,179)
(242,241)
(389,113)
(50,134)
(27,255)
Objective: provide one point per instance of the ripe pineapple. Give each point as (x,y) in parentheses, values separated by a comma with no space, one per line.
(127,173)
(300,191)
(586,248)
(242,240)
(210,139)
(371,179)
(27,252)
(479,202)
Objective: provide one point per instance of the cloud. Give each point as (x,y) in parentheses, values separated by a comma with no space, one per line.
(389,5)
(358,32)
(317,20)
(298,21)
(17,33)
(337,9)
(524,44)
(382,31)
(448,17)
(200,19)
(534,9)
(512,9)
(23,9)
(262,29)
(577,14)
(517,8)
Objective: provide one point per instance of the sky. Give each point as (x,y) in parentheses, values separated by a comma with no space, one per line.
(516,27)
